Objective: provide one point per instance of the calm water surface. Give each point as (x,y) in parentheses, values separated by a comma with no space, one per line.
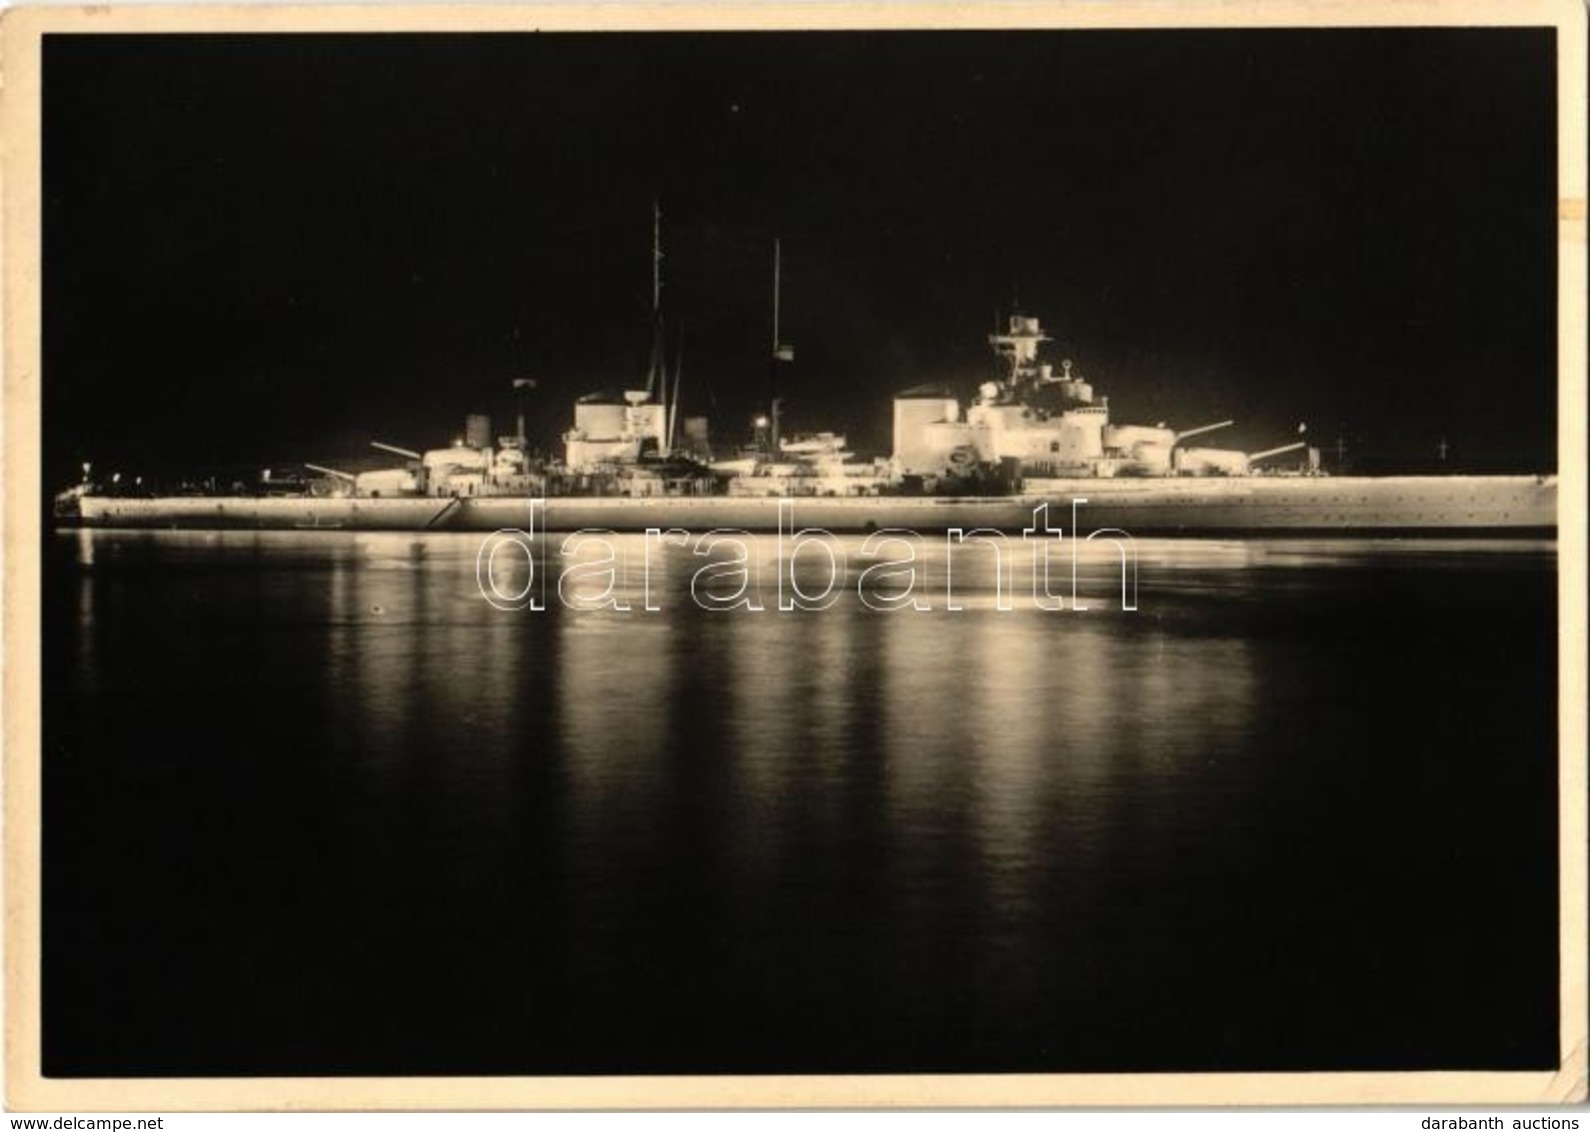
(312,805)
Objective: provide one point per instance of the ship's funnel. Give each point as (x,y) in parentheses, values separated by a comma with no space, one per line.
(1201,429)
(477,430)
(1276,451)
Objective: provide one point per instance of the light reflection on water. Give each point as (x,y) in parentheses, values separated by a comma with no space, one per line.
(957,836)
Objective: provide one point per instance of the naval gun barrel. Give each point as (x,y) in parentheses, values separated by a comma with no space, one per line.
(331,472)
(1293,447)
(1201,429)
(395,450)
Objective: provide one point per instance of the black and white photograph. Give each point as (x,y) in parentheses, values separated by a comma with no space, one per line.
(625,548)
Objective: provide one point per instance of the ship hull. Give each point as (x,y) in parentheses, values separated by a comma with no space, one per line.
(1524,505)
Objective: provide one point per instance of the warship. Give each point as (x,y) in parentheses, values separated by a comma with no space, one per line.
(1030,436)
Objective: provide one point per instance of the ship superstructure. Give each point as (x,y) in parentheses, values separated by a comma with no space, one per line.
(1031,422)
(612,431)
(616,431)
(816,464)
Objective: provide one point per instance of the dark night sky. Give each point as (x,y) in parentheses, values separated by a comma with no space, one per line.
(262,249)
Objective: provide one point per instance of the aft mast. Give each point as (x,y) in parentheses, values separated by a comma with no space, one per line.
(782,352)
(657,372)
(679,368)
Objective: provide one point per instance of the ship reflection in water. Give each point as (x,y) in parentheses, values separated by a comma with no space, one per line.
(314,806)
